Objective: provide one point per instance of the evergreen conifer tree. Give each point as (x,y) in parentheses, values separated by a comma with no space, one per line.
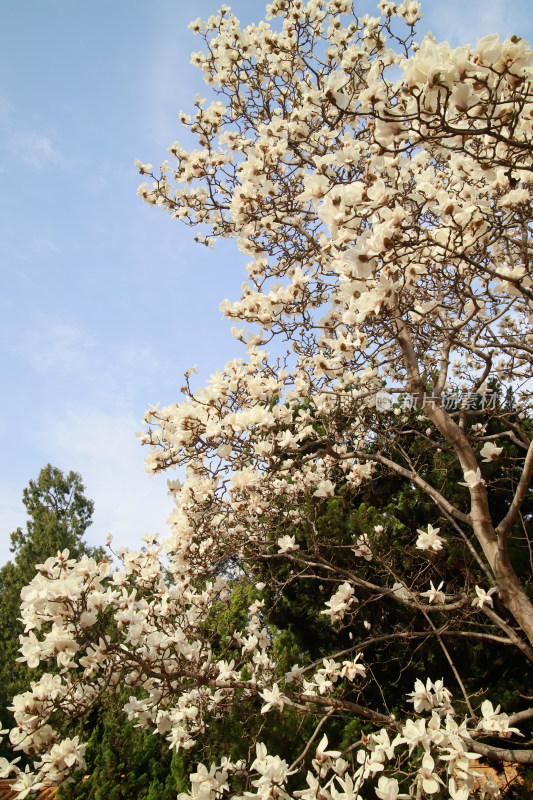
(59,513)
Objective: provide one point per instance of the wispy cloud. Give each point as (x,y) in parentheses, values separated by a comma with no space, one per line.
(103,448)
(81,362)
(35,150)
(128,503)
(32,148)
(86,420)
(41,245)
(56,346)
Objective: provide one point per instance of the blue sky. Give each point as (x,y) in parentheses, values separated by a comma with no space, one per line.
(106,301)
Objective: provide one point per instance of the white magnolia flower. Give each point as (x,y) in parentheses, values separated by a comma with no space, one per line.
(429,540)
(363,548)
(388,789)
(313,791)
(401,591)
(371,761)
(273,697)
(340,602)
(244,478)
(31,650)
(414,733)
(410,11)
(494,720)
(27,783)
(458,792)
(489,48)
(144,169)
(294,674)
(421,697)
(381,744)
(429,696)
(431,782)
(322,683)
(287,544)
(361,263)
(483,597)
(323,757)
(490,452)
(472,479)
(324,489)
(174,486)
(434,595)
(352,669)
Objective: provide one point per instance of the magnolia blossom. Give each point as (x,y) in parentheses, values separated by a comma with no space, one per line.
(483,598)
(429,540)
(388,789)
(434,595)
(324,757)
(400,590)
(324,489)
(472,479)
(353,669)
(458,792)
(431,782)
(340,602)
(287,544)
(294,674)
(429,696)
(26,784)
(490,452)
(363,548)
(31,650)
(274,698)
(493,720)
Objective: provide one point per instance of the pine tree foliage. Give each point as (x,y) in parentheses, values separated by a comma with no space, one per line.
(59,513)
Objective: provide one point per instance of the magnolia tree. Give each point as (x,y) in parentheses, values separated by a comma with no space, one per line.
(382,192)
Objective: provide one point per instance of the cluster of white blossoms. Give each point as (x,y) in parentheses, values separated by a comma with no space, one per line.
(382,192)
(331,777)
(340,602)
(156,625)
